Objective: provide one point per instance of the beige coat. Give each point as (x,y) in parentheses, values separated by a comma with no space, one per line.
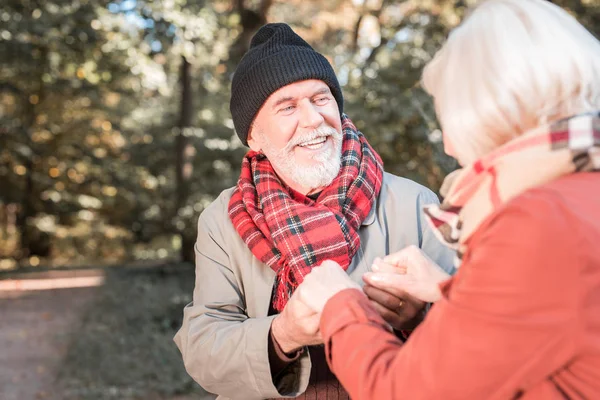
(225,329)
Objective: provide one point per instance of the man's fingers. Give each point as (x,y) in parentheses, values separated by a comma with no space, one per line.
(397,319)
(388,315)
(384,298)
(395,303)
(304,303)
(312,324)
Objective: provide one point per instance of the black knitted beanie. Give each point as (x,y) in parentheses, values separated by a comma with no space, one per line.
(276,58)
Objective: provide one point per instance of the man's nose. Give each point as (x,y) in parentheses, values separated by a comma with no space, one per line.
(310,117)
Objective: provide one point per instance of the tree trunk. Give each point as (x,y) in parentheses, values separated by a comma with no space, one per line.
(30,243)
(185,153)
(250,21)
(25,212)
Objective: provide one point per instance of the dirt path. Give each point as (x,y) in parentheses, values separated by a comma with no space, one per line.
(45,333)
(36,318)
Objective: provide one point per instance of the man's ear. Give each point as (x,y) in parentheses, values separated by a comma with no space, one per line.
(252,143)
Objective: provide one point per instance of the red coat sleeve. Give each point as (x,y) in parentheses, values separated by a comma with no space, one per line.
(507,320)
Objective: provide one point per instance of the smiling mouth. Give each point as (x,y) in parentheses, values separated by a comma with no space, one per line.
(314,144)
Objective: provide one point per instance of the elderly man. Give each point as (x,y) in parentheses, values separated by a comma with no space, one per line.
(311,189)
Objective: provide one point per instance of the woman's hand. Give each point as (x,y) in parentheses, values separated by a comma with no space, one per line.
(408,271)
(322,283)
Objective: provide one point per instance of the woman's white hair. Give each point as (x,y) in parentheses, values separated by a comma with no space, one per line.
(510,66)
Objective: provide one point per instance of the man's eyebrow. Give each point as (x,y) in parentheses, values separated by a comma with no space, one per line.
(281,101)
(324,90)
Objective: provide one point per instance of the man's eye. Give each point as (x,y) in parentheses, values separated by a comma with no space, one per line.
(322,100)
(288,109)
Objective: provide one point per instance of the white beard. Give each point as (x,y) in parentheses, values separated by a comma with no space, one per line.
(308,176)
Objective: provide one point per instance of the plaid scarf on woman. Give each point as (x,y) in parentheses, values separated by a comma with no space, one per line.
(539,156)
(292,233)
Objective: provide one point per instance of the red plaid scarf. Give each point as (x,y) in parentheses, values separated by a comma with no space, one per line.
(290,232)
(539,156)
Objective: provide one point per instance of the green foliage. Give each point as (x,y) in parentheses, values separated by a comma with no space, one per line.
(91,109)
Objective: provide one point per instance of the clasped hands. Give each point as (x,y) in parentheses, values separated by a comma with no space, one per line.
(399,287)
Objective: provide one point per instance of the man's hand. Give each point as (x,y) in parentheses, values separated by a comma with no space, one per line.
(402,312)
(298,323)
(398,308)
(322,283)
(296,326)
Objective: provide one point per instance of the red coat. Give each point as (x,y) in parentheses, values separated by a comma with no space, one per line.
(520,319)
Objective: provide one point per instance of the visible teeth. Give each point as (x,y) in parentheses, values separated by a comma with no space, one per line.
(315,146)
(314,141)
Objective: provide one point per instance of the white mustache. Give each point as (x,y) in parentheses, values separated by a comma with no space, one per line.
(324,131)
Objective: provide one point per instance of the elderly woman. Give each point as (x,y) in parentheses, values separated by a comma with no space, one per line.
(517,92)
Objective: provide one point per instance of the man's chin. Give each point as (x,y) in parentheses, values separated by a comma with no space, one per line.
(317,161)
(312,165)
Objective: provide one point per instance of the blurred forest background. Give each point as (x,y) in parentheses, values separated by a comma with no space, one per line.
(115,134)
(115,131)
